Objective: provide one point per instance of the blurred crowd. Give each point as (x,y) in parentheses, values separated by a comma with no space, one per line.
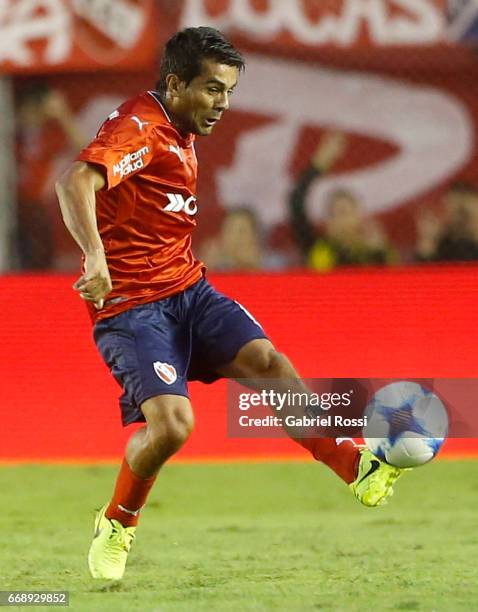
(347,235)
(46,134)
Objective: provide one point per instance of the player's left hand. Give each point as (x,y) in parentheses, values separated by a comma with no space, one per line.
(95,284)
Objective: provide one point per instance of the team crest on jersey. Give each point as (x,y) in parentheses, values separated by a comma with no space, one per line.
(166,372)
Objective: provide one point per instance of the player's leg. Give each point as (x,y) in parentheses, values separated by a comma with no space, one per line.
(147,350)
(258,360)
(233,345)
(229,342)
(371,480)
(169,421)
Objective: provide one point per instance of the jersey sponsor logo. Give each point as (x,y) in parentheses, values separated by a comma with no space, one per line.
(130,163)
(139,122)
(177,203)
(176,151)
(166,372)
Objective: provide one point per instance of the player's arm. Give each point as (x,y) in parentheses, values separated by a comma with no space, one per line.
(76,192)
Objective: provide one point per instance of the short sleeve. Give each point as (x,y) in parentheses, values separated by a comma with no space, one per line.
(124,146)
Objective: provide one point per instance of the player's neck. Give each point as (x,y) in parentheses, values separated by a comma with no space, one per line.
(174,118)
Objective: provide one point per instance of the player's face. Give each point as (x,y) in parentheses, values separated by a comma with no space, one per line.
(201,104)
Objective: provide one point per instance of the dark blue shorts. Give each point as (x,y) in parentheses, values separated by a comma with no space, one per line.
(155,348)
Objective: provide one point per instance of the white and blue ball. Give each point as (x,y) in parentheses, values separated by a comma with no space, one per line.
(406,424)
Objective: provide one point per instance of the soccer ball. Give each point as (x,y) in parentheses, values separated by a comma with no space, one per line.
(406,424)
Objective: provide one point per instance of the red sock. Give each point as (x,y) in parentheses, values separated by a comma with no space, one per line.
(129,496)
(343,458)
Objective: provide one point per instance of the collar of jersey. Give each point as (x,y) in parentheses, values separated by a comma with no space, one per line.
(186,140)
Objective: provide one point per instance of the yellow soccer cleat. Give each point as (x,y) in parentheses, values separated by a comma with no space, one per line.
(110,547)
(375,480)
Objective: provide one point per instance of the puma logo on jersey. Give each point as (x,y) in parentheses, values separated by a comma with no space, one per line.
(177,203)
(176,151)
(139,122)
(130,162)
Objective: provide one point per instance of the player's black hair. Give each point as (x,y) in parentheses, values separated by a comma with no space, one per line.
(187,49)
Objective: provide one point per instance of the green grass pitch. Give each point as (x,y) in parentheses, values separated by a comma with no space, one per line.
(240,537)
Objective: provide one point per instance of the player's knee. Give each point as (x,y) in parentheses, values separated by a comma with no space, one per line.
(171,429)
(267,361)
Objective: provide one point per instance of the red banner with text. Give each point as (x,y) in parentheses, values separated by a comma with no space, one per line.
(381,72)
(38,36)
(65,35)
(317,23)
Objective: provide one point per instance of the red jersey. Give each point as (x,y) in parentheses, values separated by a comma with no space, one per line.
(146,212)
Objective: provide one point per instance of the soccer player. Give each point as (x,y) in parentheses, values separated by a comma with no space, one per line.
(130,203)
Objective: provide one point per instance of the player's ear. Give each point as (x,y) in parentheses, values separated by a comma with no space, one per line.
(175,86)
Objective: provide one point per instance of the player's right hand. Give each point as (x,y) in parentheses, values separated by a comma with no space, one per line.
(95,284)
